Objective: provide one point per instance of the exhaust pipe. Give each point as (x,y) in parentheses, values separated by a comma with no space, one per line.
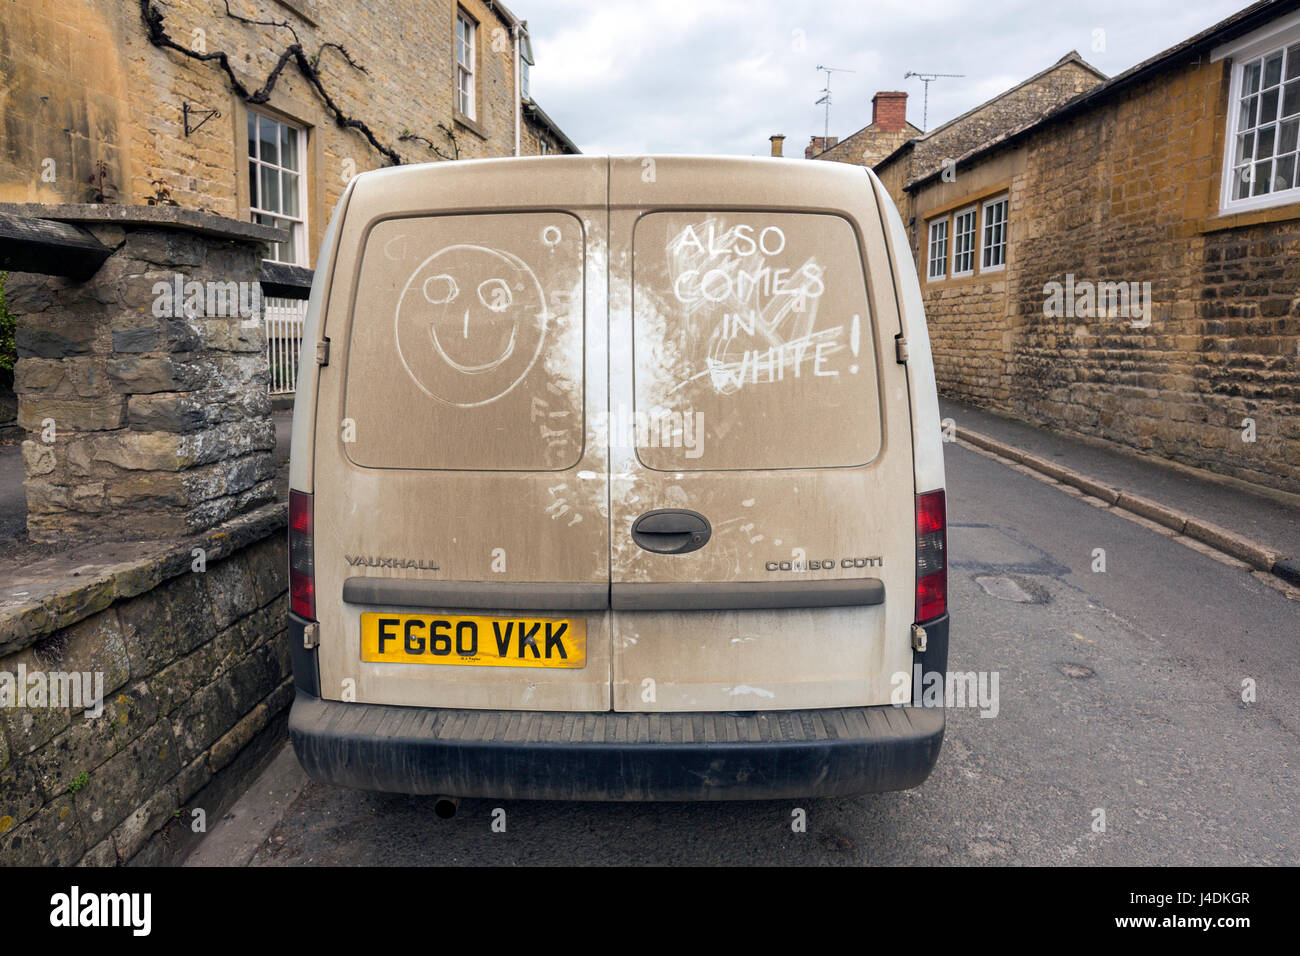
(444,808)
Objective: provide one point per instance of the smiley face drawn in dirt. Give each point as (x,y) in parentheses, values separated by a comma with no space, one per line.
(470,322)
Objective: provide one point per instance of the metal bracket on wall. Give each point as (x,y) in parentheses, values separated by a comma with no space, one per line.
(186,113)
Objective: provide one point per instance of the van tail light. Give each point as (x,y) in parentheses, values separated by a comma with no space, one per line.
(931,557)
(302,566)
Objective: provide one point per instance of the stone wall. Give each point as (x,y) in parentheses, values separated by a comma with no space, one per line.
(196,683)
(868,146)
(57,126)
(1128,191)
(144,388)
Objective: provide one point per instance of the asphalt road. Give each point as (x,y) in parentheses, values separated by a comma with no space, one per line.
(1118,691)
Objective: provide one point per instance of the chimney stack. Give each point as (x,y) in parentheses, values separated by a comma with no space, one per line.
(889,111)
(778,143)
(819,144)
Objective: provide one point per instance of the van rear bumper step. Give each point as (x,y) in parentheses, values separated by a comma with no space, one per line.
(528,755)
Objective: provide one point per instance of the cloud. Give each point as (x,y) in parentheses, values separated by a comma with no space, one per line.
(720,76)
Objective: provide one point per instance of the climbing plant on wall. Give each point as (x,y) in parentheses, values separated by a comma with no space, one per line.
(292,54)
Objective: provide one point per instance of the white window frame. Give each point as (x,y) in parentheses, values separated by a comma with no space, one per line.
(1278,35)
(466,93)
(297,224)
(974,241)
(930,258)
(1004,201)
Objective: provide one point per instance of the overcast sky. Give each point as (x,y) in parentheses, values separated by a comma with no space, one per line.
(721,76)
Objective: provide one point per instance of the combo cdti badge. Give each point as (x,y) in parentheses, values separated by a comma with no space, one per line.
(616,479)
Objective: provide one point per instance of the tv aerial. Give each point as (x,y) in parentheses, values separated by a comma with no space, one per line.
(826,98)
(927,79)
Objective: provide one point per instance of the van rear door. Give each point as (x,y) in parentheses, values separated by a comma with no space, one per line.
(762,537)
(460,492)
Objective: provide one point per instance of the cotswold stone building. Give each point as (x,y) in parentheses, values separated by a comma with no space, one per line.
(888,130)
(1018,106)
(1127,266)
(1120,258)
(260,112)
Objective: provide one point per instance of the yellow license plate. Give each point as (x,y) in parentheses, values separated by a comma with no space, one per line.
(488,641)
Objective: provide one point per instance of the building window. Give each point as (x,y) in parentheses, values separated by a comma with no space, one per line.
(1268,118)
(525,69)
(277,183)
(938,254)
(963,243)
(993,249)
(1262,159)
(465,31)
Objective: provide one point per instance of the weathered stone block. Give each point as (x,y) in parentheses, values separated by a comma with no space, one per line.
(143,822)
(268,565)
(90,741)
(38,457)
(98,413)
(168,248)
(89,497)
(94,645)
(179,682)
(101,854)
(208,513)
(253,678)
(28,294)
(140,490)
(166,411)
(227,440)
(54,837)
(227,747)
(147,632)
(142,339)
(140,451)
(188,598)
(230,588)
(192,779)
(20,796)
(203,718)
(133,775)
(136,375)
(28,728)
(56,338)
(281,698)
(207,483)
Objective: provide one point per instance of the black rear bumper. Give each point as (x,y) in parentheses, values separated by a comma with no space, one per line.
(615,756)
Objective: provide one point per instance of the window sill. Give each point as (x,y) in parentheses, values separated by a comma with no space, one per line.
(1248,217)
(997,278)
(465,122)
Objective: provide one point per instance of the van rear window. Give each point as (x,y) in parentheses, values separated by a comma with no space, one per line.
(466,344)
(753,343)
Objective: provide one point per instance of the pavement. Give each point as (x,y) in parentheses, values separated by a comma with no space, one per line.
(1267,519)
(1147,715)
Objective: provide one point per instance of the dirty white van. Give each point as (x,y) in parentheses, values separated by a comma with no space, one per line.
(616,479)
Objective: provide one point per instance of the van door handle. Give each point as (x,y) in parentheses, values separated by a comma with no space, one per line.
(671,531)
